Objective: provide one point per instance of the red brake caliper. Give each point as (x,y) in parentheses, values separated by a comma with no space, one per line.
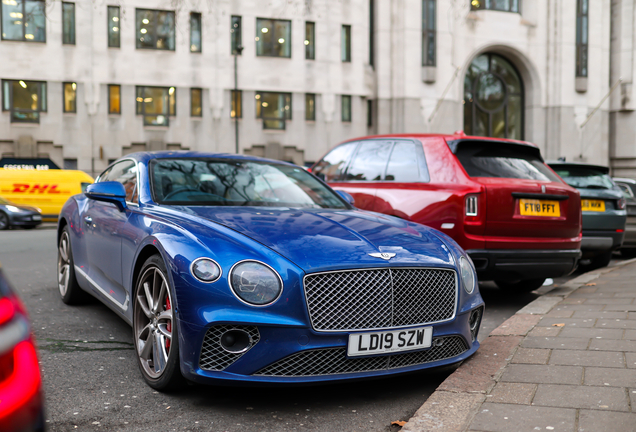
(169,325)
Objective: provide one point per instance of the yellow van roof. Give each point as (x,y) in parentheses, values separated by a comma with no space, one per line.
(46,174)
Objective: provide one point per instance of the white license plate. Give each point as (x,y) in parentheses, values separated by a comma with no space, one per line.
(36,217)
(363,344)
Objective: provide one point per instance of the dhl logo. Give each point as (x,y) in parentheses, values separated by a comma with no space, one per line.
(33,189)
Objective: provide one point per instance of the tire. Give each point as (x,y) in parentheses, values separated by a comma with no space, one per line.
(522,286)
(154,321)
(4,221)
(70,290)
(628,253)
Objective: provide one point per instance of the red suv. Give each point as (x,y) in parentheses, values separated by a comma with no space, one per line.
(518,221)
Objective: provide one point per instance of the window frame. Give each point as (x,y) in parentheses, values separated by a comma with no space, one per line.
(24,39)
(192,90)
(108,169)
(311,96)
(259,41)
(259,109)
(194,15)
(64,110)
(310,43)
(475,5)
(41,107)
(68,39)
(582,32)
(234,96)
(156,12)
(142,112)
(109,26)
(110,108)
(236,34)
(345,43)
(342,111)
(428,33)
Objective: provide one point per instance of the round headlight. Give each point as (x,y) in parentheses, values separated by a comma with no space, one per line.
(206,270)
(255,283)
(468,275)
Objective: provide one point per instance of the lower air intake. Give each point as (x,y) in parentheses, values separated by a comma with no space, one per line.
(216,358)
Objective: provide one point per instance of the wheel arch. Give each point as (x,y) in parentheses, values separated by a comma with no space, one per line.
(146,252)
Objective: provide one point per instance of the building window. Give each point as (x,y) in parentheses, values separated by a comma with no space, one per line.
(581,37)
(155,29)
(273,38)
(310,41)
(195,32)
(236,32)
(70,97)
(23,20)
(273,108)
(70,164)
(499,5)
(371,32)
(24,99)
(428,32)
(345,41)
(114,40)
(196,102)
(236,109)
(369,113)
(114,99)
(310,106)
(493,98)
(68,23)
(156,104)
(346,108)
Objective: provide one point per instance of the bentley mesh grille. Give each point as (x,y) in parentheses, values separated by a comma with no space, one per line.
(213,356)
(380,298)
(334,361)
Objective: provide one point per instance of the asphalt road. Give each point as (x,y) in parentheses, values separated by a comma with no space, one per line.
(92,381)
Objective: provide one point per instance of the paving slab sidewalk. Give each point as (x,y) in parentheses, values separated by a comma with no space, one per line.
(565,362)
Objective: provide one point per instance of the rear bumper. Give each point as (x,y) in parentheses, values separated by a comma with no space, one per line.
(601,240)
(514,265)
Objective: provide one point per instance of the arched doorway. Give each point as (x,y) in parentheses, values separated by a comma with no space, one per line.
(493,98)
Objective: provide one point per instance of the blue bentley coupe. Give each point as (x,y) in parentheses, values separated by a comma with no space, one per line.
(239,269)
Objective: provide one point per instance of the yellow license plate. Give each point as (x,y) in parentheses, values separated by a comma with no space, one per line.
(593,205)
(533,207)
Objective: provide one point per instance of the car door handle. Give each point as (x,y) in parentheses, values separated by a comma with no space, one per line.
(88,220)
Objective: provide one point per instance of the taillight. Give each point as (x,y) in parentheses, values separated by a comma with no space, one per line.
(472,205)
(7,310)
(622,204)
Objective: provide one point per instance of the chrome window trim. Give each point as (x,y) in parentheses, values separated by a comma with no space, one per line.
(311,320)
(209,259)
(229,281)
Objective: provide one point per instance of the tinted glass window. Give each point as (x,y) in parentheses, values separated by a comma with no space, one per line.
(331,167)
(124,172)
(370,161)
(584,177)
(489,159)
(221,182)
(404,164)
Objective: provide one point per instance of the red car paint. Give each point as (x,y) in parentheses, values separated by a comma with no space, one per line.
(542,246)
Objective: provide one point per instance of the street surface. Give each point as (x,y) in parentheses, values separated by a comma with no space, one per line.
(92,381)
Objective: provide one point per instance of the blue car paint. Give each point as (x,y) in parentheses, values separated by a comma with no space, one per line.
(294,242)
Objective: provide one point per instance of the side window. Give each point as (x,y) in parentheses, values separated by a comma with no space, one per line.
(405,165)
(124,172)
(627,191)
(332,166)
(370,161)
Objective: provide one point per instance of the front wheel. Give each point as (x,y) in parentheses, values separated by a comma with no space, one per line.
(4,221)
(66,281)
(154,327)
(522,286)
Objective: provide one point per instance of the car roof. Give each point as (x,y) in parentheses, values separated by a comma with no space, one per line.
(624,180)
(601,168)
(459,135)
(187,154)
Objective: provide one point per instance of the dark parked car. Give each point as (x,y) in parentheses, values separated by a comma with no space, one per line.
(514,216)
(603,207)
(13,215)
(628,248)
(21,403)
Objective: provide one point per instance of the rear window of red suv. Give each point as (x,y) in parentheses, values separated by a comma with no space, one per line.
(502,160)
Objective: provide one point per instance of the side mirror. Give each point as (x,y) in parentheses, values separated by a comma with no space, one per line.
(346,196)
(111,191)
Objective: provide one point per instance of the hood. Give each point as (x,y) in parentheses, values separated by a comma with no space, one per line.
(316,239)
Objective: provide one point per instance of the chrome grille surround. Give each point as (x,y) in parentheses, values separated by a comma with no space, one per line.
(379,298)
(213,356)
(334,361)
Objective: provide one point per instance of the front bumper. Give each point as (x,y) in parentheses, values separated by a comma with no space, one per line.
(514,265)
(20,220)
(287,354)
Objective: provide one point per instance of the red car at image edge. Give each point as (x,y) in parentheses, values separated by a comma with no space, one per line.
(518,221)
(21,402)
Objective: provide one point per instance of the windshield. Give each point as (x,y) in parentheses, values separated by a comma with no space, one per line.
(490,159)
(584,177)
(223,182)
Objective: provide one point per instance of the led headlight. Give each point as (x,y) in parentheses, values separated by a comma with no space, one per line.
(255,283)
(205,270)
(13,209)
(468,275)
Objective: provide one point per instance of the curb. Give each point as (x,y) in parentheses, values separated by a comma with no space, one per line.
(456,401)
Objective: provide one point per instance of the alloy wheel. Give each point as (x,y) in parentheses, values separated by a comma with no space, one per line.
(63,264)
(153,321)
(4,221)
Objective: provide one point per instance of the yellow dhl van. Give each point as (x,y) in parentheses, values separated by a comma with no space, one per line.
(47,190)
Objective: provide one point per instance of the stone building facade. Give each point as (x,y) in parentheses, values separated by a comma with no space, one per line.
(312,73)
